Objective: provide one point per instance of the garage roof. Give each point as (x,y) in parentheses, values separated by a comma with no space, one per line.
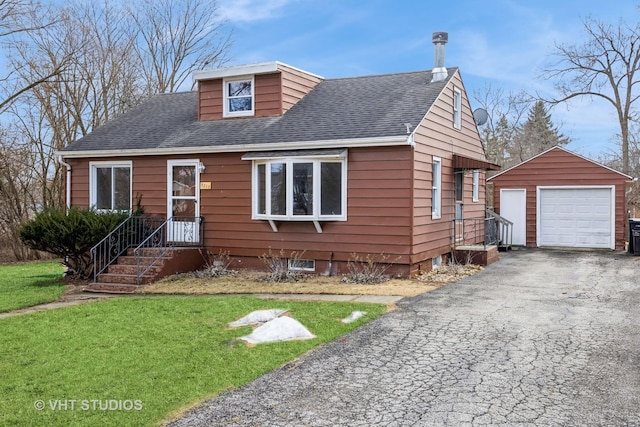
(557,147)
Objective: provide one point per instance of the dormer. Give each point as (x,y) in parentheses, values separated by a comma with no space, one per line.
(256,90)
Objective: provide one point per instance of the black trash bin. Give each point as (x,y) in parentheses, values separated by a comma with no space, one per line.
(635,238)
(634,242)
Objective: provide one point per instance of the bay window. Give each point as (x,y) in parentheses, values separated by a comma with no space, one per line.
(299,188)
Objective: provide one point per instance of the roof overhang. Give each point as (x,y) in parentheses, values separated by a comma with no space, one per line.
(244,70)
(276,146)
(463,162)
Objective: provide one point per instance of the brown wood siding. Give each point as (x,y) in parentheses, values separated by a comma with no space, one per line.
(436,136)
(150,182)
(378,207)
(267,102)
(275,93)
(79,182)
(377,222)
(268,93)
(560,168)
(210,99)
(295,85)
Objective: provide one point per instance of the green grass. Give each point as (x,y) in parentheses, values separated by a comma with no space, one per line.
(25,285)
(168,353)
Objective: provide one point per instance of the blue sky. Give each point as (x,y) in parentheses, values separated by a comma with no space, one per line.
(502,43)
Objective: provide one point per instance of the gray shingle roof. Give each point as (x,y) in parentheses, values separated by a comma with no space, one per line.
(344,108)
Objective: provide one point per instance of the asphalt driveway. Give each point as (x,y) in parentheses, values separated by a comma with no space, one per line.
(541,338)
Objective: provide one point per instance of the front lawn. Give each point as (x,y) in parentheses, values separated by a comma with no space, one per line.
(137,361)
(28,284)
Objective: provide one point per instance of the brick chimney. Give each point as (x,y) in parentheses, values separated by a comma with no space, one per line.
(439,71)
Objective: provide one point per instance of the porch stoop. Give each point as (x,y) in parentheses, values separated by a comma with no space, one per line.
(477,254)
(121,277)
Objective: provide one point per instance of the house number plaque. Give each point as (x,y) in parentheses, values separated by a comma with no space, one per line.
(206,185)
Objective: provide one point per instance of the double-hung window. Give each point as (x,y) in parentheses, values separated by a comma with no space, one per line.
(476,186)
(457,106)
(110,185)
(436,189)
(239,97)
(300,188)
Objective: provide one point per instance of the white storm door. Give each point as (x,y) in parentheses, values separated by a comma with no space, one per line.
(183,201)
(513,206)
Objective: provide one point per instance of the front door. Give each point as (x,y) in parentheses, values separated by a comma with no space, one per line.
(183,201)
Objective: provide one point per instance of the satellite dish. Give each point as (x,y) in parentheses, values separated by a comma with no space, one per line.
(480,116)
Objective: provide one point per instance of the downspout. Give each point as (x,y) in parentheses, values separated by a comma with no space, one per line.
(67,180)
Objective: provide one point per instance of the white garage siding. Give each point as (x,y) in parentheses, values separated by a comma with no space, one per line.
(580,217)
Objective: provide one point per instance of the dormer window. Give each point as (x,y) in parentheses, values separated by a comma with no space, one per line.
(238,97)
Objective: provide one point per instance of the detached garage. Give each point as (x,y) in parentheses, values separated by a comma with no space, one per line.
(561,199)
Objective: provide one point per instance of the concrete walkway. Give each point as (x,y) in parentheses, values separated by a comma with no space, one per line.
(66,301)
(378,299)
(541,338)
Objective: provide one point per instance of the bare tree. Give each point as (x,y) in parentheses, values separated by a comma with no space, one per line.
(12,13)
(506,112)
(17,18)
(612,157)
(89,63)
(178,38)
(605,66)
(18,195)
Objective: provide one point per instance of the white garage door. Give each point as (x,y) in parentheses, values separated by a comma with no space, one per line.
(579,217)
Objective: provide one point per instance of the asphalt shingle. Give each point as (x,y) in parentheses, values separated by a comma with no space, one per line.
(344,108)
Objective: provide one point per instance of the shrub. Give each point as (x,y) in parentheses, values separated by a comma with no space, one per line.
(278,265)
(367,270)
(70,235)
(215,265)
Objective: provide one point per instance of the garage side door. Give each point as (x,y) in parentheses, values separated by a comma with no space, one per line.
(576,217)
(513,206)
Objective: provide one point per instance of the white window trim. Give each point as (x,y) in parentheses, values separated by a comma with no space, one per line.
(476,186)
(297,264)
(436,262)
(289,190)
(457,108)
(436,185)
(225,86)
(93,180)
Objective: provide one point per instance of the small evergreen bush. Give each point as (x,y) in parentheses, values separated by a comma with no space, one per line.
(70,235)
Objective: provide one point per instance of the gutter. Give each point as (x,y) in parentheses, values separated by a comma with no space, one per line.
(208,149)
(67,180)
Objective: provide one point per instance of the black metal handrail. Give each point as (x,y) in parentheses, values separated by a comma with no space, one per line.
(128,234)
(174,232)
(474,231)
